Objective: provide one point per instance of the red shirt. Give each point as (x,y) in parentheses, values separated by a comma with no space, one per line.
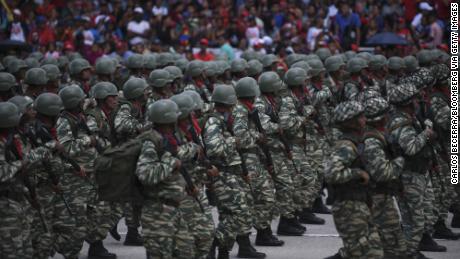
(411,9)
(204,57)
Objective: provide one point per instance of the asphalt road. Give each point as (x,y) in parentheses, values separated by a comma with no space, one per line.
(318,242)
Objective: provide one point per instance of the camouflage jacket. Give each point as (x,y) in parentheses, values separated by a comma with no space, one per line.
(269,118)
(128,122)
(292,116)
(321,96)
(99,125)
(205,95)
(244,128)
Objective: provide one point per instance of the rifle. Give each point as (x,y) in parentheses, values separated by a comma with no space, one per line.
(254,116)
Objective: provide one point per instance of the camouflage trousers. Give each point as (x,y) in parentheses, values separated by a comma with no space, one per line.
(99,220)
(165,231)
(304,179)
(429,210)
(260,191)
(386,218)
(15,240)
(132,212)
(353,221)
(282,179)
(234,213)
(444,192)
(411,205)
(200,223)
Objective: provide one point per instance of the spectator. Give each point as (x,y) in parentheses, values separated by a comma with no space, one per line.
(138,29)
(436,33)
(226,49)
(159,10)
(18,28)
(203,54)
(348,28)
(313,33)
(252,32)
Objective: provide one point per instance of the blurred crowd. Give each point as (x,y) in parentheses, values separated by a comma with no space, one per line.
(191,27)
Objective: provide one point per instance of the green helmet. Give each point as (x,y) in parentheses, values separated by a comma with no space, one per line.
(255,68)
(269,59)
(163,111)
(411,63)
(150,61)
(402,94)
(15,65)
(195,68)
(52,72)
(239,65)
(311,57)
(210,68)
(105,66)
(77,65)
(31,62)
(50,60)
(174,72)
(316,67)
(63,61)
(102,90)
(377,62)
(323,53)
(270,82)
(198,102)
(7,59)
(424,57)
(375,108)
(395,63)
(292,58)
(355,65)
(185,103)
(48,104)
(350,54)
(36,76)
(9,114)
(71,96)
(22,102)
(247,87)
(134,88)
(303,65)
(7,81)
(1,67)
(74,55)
(223,66)
(135,61)
(36,55)
(165,59)
(365,55)
(334,63)
(224,94)
(346,111)
(248,55)
(436,54)
(159,78)
(295,76)
(182,64)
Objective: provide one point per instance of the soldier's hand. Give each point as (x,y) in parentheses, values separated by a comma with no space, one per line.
(429,133)
(289,155)
(247,179)
(56,188)
(93,141)
(177,165)
(365,177)
(200,153)
(213,171)
(262,139)
(280,131)
(237,142)
(59,148)
(82,172)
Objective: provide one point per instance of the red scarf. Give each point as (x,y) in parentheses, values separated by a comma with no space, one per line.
(106,112)
(318,85)
(196,124)
(248,103)
(17,144)
(172,140)
(53,132)
(271,99)
(301,93)
(199,83)
(184,127)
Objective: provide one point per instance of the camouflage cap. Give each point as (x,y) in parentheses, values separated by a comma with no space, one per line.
(103,90)
(402,94)
(159,78)
(182,64)
(334,63)
(295,76)
(63,61)
(377,62)
(411,63)
(292,58)
(249,55)
(375,108)
(222,66)
(323,53)
(77,65)
(36,76)
(74,55)
(195,68)
(365,55)
(303,65)
(270,82)
(48,104)
(424,57)
(150,61)
(350,54)
(105,66)
(255,68)
(134,88)
(36,55)
(52,72)
(395,63)
(355,65)
(247,87)
(210,68)
(71,96)
(165,59)
(7,59)
(22,102)
(346,111)
(316,67)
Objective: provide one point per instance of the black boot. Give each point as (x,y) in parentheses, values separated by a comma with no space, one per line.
(336,256)
(419,255)
(148,255)
(319,207)
(266,238)
(212,250)
(455,223)
(297,222)
(429,245)
(114,233)
(307,217)
(223,252)
(441,231)
(98,251)
(133,238)
(287,227)
(245,249)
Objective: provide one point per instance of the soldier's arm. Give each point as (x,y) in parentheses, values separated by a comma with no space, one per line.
(152,169)
(214,140)
(289,118)
(268,126)
(441,112)
(338,169)
(378,164)
(410,142)
(125,123)
(94,128)
(187,151)
(73,146)
(321,96)
(241,129)
(351,92)
(7,169)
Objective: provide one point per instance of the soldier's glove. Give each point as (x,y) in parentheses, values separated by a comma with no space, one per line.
(82,172)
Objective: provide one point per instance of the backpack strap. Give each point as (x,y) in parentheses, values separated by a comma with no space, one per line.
(72,123)
(154,137)
(375,134)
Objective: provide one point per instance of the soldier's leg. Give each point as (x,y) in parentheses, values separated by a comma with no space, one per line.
(99,225)
(132,216)
(283,184)
(159,227)
(205,229)
(41,235)
(386,218)
(304,179)
(354,225)
(184,240)
(411,208)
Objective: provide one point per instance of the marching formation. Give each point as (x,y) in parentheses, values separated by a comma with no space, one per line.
(160,141)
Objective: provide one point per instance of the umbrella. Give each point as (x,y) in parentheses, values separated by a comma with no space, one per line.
(8,45)
(386,38)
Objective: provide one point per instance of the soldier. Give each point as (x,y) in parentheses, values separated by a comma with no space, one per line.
(177,84)
(347,177)
(270,62)
(15,226)
(36,81)
(420,77)
(72,131)
(385,170)
(80,74)
(164,59)
(160,80)
(150,64)
(238,69)
(255,68)
(224,75)
(18,68)
(395,72)
(164,226)
(105,69)
(268,106)
(102,215)
(377,73)
(135,64)
(7,85)
(323,53)
(195,207)
(210,72)
(295,120)
(259,184)
(54,78)
(222,148)
(129,122)
(195,70)
(413,143)
(355,85)
(64,68)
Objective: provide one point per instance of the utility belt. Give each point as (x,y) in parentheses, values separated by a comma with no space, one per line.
(249,150)
(392,188)
(168,202)
(297,141)
(15,196)
(350,192)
